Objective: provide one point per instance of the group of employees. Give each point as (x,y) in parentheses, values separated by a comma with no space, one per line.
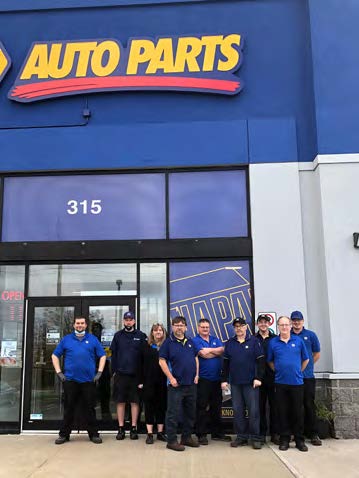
(181,381)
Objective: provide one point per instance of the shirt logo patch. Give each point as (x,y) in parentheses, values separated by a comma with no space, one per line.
(135,338)
(247,347)
(189,345)
(86,342)
(305,338)
(293,345)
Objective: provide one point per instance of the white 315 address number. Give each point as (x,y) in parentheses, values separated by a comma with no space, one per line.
(92,206)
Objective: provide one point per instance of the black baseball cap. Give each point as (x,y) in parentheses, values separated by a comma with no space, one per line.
(128,315)
(239,321)
(263,317)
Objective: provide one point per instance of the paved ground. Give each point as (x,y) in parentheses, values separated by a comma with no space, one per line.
(24,456)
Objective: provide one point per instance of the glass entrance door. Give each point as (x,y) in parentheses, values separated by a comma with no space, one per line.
(48,321)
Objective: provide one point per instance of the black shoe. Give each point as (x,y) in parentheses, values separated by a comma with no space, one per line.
(161,436)
(121,434)
(61,440)
(239,442)
(133,434)
(189,441)
(220,437)
(175,446)
(257,445)
(96,439)
(283,446)
(316,441)
(301,446)
(203,440)
(149,439)
(275,439)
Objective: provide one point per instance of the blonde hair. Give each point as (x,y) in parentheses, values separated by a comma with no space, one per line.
(151,339)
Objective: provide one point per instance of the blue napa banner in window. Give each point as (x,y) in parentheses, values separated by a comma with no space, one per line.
(84,207)
(218,291)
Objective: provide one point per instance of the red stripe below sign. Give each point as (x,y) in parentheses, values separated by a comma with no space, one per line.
(53,87)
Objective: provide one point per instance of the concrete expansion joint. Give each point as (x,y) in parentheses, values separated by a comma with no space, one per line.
(39,467)
(286,463)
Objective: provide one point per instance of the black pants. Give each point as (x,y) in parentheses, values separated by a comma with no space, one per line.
(182,396)
(266,395)
(310,418)
(84,394)
(209,404)
(155,401)
(289,399)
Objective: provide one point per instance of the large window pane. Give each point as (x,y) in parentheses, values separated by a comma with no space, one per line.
(153,289)
(218,291)
(82,279)
(11,331)
(89,207)
(208,204)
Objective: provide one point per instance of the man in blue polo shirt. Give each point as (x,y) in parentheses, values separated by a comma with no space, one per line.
(244,364)
(288,357)
(179,362)
(313,348)
(209,392)
(80,350)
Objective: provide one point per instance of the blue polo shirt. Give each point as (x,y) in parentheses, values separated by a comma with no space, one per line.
(242,359)
(312,344)
(180,357)
(209,368)
(287,358)
(79,356)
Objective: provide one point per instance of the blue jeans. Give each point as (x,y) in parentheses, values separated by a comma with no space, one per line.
(180,398)
(246,397)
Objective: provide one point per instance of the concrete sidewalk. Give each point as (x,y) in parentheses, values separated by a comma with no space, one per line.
(24,456)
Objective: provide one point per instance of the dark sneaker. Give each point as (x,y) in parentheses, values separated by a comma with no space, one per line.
(121,434)
(96,439)
(283,446)
(203,440)
(239,442)
(257,445)
(221,437)
(175,446)
(149,439)
(133,434)
(161,437)
(275,439)
(191,442)
(61,440)
(301,446)
(316,441)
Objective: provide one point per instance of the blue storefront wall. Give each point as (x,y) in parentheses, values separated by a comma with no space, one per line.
(271,120)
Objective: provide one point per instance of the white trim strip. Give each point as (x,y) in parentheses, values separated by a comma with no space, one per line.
(329,159)
(337,376)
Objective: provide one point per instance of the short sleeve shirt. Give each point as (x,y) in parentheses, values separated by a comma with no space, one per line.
(287,358)
(181,358)
(79,356)
(312,344)
(209,368)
